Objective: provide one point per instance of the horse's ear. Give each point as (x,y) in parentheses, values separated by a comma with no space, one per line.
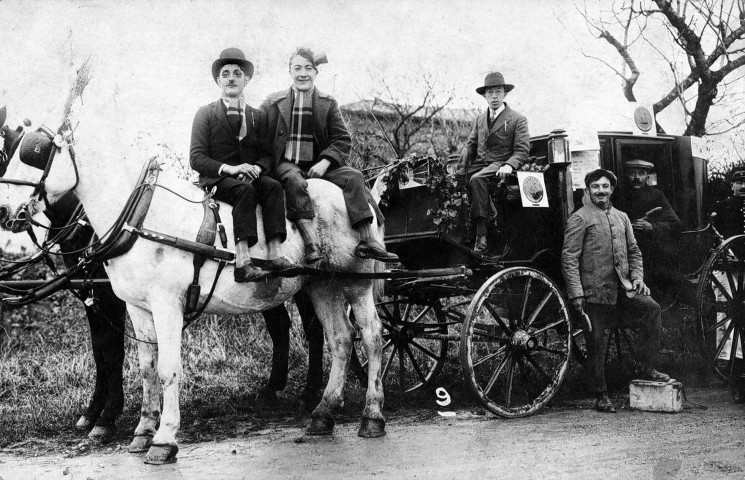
(3,114)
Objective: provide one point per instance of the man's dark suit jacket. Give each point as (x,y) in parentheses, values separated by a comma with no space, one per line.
(213,143)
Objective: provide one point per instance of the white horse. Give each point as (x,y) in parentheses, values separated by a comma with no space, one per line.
(152,278)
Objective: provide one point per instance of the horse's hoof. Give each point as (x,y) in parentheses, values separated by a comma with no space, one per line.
(140,443)
(372,428)
(84,423)
(161,454)
(101,434)
(320,425)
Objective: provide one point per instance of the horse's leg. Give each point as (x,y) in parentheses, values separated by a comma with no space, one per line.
(98,399)
(168,318)
(329,305)
(314,333)
(110,314)
(278,325)
(144,329)
(360,296)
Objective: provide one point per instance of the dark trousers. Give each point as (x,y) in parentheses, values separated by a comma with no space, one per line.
(244,197)
(640,312)
(278,325)
(350,180)
(481,203)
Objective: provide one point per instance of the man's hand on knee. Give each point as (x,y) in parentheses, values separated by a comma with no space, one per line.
(504,171)
(639,287)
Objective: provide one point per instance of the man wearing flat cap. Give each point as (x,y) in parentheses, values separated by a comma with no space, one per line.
(498,145)
(656,226)
(602,267)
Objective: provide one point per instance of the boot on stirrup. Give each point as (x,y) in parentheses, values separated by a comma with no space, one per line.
(371,248)
(245,270)
(313,251)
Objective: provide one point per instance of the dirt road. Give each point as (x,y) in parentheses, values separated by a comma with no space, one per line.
(566,441)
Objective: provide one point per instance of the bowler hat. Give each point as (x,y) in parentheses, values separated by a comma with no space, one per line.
(494,79)
(637,163)
(232,55)
(737,175)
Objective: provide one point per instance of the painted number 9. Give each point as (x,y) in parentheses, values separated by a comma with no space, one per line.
(443,400)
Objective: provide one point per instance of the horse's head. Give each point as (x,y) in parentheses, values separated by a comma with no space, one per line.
(40,169)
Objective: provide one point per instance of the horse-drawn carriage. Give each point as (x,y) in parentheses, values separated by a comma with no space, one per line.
(507,309)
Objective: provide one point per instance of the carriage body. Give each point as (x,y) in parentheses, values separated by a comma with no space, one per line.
(510,314)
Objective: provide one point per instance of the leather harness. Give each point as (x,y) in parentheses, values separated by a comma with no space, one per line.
(128,227)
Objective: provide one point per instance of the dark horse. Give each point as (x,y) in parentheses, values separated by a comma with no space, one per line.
(107,315)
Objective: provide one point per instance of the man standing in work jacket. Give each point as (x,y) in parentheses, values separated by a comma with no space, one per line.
(602,267)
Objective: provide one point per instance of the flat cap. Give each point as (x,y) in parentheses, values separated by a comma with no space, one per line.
(637,163)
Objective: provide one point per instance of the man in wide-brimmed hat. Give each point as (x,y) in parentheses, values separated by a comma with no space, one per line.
(498,145)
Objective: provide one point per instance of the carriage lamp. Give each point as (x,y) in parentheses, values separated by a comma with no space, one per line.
(558,151)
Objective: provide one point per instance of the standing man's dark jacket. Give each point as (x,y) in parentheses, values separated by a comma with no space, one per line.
(213,142)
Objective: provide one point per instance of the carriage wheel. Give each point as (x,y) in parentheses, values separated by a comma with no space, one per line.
(515,342)
(720,306)
(414,342)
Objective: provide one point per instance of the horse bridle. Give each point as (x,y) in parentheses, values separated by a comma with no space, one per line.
(61,138)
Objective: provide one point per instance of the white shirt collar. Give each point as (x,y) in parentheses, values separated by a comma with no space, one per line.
(495,114)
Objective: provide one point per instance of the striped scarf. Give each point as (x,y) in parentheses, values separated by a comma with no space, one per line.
(236,112)
(299,147)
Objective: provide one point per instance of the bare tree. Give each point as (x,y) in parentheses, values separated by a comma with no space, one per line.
(701,41)
(404,109)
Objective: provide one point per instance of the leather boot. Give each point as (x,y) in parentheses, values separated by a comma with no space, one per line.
(313,251)
(371,248)
(245,271)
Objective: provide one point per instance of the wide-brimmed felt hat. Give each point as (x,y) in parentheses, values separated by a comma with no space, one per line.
(494,79)
(737,175)
(638,163)
(232,55)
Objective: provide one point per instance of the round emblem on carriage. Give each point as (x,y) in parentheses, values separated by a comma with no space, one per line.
(643,119)
(533,189)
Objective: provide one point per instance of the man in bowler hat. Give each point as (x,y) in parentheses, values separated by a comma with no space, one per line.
(228,151)
(498,145)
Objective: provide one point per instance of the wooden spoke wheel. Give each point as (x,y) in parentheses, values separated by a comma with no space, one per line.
(415,341)
(515,342)
(720,307)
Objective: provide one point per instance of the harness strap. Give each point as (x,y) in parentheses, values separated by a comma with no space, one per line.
(205,235)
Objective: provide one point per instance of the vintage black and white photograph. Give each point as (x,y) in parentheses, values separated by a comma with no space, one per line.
(372,239)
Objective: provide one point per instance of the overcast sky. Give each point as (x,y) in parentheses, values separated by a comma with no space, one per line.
(157,54)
